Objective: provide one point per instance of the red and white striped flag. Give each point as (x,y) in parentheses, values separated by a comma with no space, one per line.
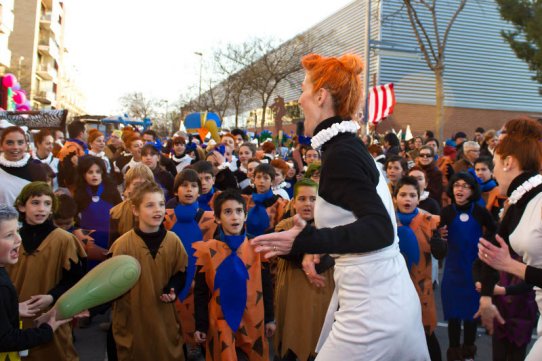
(381,102)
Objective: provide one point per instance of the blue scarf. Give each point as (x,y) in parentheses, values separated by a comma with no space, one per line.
(189,232)
(204,200)
(408,243)
(487,186)
(231,279)
(80,142)
(98,192)
(258,219)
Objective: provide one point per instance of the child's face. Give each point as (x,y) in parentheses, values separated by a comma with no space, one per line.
(232,217)
(279,178)
(262,182)
(315,177)
(93,176)
(311,156)
(10,242)
(244,154)
(482,171)
(291,170)
(462,192)
(304,202)
(407,199)
(151,211)
(150,159)
(188,192)
(394,171)
(207,182)
(37,209)
(420,177)
(179,147)
(64,223)
(132,186)
(250,170)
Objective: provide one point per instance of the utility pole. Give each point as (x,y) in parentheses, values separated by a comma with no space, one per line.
(200,68)
(367,64)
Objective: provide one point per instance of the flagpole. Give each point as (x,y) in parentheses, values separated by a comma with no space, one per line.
(367,64)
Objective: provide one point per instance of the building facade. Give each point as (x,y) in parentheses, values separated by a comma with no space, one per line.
(39,58)
(484,83)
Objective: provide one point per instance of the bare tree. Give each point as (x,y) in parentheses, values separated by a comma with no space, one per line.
(262,65)
(138,106)
(432,45)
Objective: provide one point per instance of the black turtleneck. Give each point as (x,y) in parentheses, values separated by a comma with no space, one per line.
(510,221)
(153,241)
(11,337)
(32,237)
(348,179)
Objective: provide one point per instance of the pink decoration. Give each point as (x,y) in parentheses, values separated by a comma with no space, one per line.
(9,80)
(19,97)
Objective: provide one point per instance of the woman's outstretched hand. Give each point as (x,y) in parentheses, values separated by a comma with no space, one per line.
(279,243)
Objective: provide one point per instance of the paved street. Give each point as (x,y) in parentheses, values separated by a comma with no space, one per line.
(90,342)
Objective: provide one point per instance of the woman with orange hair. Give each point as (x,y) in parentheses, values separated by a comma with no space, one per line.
(518,160)
(379,315)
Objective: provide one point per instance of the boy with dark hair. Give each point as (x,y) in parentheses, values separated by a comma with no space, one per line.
(265,208)
(419,239)
(231,318)
(494,201)
(206,176)
(76,143)
(64,216)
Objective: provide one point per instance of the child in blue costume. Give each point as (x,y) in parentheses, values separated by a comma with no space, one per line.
(206,175)
(95,195)
(466,221)
(191,224)
(265,208)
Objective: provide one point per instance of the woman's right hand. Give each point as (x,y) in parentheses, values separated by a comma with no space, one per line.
(488,312)
(309,267)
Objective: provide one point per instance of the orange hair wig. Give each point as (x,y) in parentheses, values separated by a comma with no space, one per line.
(340,77)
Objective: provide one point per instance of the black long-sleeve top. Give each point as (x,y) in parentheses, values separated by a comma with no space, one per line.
(348,179)
(511,220)
(11,337)
(202,297)
(32,237)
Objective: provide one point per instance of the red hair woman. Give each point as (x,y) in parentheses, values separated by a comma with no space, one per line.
(354,221)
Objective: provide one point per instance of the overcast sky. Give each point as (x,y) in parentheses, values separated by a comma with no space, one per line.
(121,46)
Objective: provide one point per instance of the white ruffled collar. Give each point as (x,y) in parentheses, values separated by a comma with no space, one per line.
(14,164)
(325,135)
(424,196)
(525,187)
(99,155)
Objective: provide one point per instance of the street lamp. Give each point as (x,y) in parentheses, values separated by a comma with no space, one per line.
(200,67)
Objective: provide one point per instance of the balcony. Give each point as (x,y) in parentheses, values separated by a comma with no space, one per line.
(47,46)
(48,22)
(47,72)
(45,97)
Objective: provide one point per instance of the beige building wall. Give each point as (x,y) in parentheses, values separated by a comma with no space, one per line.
(35,45)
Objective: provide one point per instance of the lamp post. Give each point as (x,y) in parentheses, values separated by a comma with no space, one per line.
(200,67)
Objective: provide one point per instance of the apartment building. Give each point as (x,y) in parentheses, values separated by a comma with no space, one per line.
(38,55)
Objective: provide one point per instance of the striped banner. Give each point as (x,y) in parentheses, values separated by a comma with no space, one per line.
(381,102)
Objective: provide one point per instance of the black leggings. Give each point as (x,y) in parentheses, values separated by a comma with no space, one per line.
(434,347)
(454,332)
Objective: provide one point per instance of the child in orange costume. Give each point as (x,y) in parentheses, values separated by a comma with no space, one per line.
(419,239)
(233,294)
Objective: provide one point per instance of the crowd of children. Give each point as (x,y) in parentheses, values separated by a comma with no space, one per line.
(186,211)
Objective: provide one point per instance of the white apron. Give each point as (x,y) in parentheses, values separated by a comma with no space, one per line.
(11,186)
